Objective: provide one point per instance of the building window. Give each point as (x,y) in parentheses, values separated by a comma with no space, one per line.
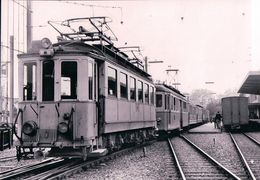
(132,88)
(29,82)
(140,91)
(123,85)
(112,82)
(146,93)
(90,81)
(152,95)
(69,80)
(158,100)
(48,81)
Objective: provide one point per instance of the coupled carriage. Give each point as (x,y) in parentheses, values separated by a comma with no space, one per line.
(174,112)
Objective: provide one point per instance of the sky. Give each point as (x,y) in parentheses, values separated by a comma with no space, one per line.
(206,40)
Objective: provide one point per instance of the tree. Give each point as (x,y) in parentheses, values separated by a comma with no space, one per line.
(201,96)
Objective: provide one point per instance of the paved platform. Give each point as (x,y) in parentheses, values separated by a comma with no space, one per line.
(205,128)
(255,120)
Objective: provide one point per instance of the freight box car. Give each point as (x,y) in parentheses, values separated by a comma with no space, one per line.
(235,111)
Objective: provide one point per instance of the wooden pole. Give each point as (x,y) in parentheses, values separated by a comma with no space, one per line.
(29,25)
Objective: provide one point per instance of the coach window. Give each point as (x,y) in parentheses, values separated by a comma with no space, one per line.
(90,81)
(140,91)
(48,81)
(171,103)
(29,82)
(152,95)
(166,101)
(158,100)
(146,93)
(123,85)
(112,82)
(69,80)
(184,106)
(174,103)
(132,88)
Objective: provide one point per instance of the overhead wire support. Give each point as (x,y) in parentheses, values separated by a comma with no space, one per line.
(22,6)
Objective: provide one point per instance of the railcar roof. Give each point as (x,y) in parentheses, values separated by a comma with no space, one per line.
(169,89)
(97,51)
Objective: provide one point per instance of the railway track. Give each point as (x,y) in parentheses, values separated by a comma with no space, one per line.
(194,163)
(31,169)
(3,159)
(249,151)
(59,168)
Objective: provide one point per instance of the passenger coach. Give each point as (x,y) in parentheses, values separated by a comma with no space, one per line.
(174,112)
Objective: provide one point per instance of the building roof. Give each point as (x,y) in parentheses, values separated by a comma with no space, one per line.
(251,84)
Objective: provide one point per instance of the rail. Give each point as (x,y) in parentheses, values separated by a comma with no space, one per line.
(176,160)
(242,157)
(252,139)
(211,158)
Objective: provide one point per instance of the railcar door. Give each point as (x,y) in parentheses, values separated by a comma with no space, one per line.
(100,93)
(181,115)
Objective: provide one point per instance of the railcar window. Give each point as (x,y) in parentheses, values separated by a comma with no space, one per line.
(132,88)
(48,81)
(184,106)
(90,81)
(174,104)
(69,80)
(167,98)
(123,85)
(140,91)
(152,95)
(158,100)
(29,82)
(112,82)
(146,93)
(171,103)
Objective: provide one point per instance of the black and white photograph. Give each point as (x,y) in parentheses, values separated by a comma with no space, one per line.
(130,89)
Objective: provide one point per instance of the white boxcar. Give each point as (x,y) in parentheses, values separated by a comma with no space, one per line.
(235,111)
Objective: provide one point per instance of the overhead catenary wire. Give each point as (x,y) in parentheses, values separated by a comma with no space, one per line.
(96,6)
(17,50)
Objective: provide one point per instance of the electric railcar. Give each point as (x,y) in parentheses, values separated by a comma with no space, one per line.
(174,112)
(82,96)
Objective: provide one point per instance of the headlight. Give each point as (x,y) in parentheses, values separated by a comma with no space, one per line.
(63,127)
(29,128)
(46,43)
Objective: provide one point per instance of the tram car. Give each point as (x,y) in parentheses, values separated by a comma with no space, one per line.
(174,112)
(82,96)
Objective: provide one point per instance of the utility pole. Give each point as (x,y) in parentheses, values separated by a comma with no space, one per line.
(145,64)
(11,79)
(1,90)
(29,24)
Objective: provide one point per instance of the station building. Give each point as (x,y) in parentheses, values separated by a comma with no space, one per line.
(251,88)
